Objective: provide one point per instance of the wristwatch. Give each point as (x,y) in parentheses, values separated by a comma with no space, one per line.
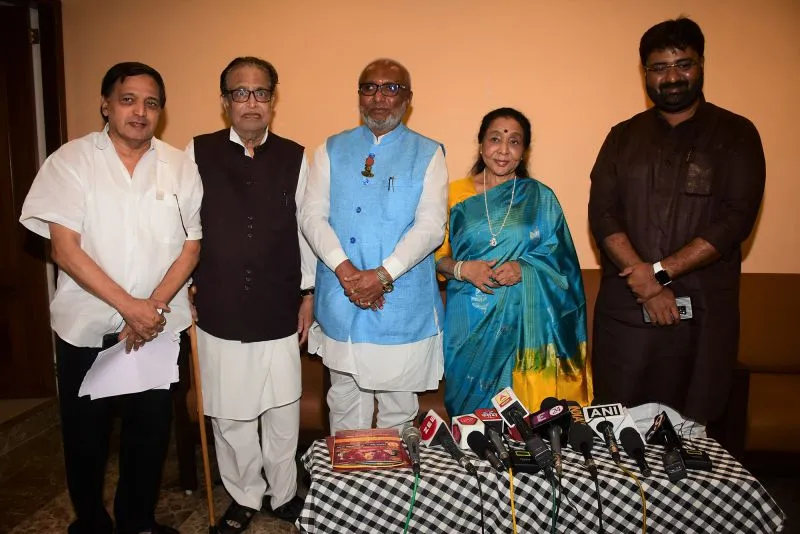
(662,276)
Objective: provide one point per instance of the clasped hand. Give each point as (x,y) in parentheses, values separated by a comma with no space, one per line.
(483,274)
(144,320)
(363,288)
(659,301)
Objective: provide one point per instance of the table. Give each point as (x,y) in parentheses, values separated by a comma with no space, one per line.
(727,499)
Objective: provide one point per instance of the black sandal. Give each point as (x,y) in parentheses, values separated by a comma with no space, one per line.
(236,519)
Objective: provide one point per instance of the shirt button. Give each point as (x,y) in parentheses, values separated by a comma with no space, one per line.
(249,226)
(250,236)
(358,209)
(248,278)
(250,218)
(248,182)
(668,163)
(248,271)
(352,239)
(247,287)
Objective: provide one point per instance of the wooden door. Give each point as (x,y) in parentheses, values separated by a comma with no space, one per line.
(26,345)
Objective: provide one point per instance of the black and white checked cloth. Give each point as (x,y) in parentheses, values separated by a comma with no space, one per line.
(727,499)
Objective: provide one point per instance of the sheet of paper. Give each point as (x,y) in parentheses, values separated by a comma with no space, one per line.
(116,372)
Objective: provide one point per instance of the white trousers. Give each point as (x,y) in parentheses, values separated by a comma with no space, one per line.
(241,457)
(352,407)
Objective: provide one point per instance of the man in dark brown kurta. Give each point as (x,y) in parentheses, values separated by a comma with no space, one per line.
(675,191)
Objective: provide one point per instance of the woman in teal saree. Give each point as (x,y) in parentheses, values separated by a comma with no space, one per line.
(515,310)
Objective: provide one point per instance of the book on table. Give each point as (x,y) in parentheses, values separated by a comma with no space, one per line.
(374,448)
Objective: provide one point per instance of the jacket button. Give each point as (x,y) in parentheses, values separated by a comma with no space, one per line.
(248,271)
(249,226)
(249,236)
(358,209)
(247,287)
(250,218)
(248,278)
(352,239)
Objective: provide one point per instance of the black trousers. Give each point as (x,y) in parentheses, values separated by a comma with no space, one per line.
(86,430)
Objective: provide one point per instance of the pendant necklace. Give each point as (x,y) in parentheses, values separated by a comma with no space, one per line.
(493,240)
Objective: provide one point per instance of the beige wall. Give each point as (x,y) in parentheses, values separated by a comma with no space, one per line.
(570,65)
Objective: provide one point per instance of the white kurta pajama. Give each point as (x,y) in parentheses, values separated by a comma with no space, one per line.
(361,372)
(245,384)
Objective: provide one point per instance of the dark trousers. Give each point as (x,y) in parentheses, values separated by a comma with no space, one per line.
(86,429)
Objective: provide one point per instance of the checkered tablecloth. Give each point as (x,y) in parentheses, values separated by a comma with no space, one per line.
(727,499)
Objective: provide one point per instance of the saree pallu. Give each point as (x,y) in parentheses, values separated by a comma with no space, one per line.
(530,336)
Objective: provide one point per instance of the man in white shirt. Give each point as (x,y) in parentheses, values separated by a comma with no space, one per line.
(122,210)
(374,211)
(255,294)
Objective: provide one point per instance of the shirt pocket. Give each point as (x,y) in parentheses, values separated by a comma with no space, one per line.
(166,222)
(699,175)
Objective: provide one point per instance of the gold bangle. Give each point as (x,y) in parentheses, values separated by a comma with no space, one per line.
(383,278)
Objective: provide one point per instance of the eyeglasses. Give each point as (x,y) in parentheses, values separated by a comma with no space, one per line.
(684,65)
(242,95)
(387,89)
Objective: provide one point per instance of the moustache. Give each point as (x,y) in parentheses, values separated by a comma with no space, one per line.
(666,86)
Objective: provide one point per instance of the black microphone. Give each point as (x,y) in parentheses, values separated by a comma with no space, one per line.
(541,453)
(607,429)
(411,438)
(581,438)
(634,446)
(480,446)
(552,420)
(499,446)
(434,431)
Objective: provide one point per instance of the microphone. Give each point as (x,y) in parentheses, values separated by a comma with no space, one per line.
(497,442)
(434,432)
(552,420)
(607,429)
(581,438)
(480,446)
(511,410)
(411,438)
(576,410)
(634,446)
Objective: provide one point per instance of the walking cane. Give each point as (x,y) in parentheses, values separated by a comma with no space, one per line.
(201,419)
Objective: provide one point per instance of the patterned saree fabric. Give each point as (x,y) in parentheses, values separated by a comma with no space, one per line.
(532,335)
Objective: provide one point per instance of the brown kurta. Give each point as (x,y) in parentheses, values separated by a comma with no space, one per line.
(663,187)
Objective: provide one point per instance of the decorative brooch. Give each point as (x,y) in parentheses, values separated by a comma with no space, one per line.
(368,163)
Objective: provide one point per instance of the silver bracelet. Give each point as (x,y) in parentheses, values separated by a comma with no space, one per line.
(457,271)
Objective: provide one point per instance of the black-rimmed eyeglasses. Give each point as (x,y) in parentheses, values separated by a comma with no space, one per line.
(684,65)
(242,95)
(387,89)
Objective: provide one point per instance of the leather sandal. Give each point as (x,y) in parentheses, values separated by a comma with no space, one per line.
(236,519)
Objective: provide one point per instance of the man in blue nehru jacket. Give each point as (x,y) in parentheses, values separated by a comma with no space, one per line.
(374,211)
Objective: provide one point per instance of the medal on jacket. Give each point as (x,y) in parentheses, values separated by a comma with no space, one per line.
(368,163)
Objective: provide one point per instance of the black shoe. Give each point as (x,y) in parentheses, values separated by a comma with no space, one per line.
(290,511)
(236,519)
(161,529)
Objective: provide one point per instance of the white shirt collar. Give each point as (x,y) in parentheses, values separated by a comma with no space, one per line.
(103,141)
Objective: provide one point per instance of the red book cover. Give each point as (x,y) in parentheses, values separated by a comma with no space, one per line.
(375,448)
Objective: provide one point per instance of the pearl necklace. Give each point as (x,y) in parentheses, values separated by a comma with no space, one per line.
(493,240)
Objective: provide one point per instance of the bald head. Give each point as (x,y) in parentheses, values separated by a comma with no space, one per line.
(400,73)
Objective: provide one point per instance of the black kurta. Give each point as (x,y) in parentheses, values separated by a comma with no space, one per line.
(664,186)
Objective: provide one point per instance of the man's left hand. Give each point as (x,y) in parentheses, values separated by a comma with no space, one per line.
(368,289)
(305,317)
(642,281)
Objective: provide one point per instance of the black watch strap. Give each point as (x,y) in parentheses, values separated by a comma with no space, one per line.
(662,276)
